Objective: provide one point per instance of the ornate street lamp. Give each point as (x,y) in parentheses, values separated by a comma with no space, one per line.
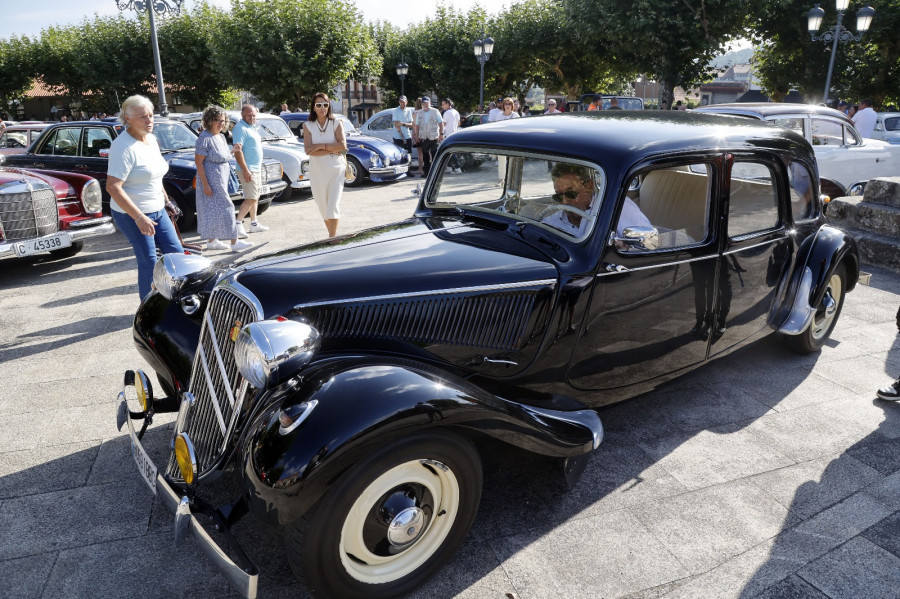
(838,33)
(152,7)
(402,70)
(483,47)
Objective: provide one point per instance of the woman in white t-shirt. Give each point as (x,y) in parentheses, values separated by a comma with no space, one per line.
(506,112)
(134,182)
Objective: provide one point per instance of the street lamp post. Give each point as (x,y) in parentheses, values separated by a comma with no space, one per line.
(402,70)
(483,47)
(838,33)
(153,7)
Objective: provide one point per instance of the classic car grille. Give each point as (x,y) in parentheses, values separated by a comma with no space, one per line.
(496,321)
(27,214)
(217,385)
(273,172)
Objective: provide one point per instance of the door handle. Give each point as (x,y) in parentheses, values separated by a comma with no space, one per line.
(81,167)
(39,165)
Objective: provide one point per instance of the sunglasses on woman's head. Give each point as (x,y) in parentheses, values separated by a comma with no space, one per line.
(321,104)
(569,195)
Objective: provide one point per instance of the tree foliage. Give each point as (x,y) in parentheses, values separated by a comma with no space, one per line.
(16,55)
(671,41)
(287,50)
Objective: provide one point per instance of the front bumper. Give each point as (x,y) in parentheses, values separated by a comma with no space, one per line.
(244,580)
(78,231)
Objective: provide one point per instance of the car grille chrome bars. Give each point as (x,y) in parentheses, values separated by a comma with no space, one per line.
(215,381)
(28,213)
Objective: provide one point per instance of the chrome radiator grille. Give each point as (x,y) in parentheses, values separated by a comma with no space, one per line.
(272,173)
(27,214)
(217,385)
(496,321)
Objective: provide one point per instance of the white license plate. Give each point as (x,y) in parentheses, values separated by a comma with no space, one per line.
(265,189)
(57,241)
(144,464)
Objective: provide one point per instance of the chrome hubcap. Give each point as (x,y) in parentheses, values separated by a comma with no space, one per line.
(406,527)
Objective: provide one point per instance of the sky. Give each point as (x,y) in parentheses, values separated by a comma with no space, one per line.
(27,18)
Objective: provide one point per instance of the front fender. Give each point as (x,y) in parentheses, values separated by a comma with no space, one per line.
(804,285)
(363,403)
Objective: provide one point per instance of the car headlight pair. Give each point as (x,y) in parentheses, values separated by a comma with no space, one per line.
(92,197)
(269,352)
(173,271)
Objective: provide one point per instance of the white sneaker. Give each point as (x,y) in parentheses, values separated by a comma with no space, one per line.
(457,171)
(258,228)
(242,233)
(216,244)
(239,246)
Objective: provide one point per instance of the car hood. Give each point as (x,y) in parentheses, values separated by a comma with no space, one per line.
(437,285)
(12,180)
(285,149)
(380,146)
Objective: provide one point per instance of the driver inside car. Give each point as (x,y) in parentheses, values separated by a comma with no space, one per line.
(574,187)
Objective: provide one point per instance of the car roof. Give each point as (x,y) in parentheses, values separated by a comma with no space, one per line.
(771,109)
(27,127)
(619,139)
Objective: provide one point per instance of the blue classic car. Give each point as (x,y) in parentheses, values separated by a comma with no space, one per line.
(83,147)
(367,157)
(344,387)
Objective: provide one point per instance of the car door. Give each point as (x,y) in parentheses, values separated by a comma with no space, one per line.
(93,154)
(59,149)
(650,311)
(757,249)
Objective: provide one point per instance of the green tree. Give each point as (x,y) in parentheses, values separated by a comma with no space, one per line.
(287,50)
(16,74)
(186,45)
(671,41)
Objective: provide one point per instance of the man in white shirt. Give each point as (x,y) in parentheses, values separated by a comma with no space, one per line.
(451,124)
(865,118)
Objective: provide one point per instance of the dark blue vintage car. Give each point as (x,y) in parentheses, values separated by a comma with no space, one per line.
(83,147)
(367,157)
(344,386)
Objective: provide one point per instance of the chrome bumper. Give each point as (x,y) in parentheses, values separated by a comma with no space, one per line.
(78,232)
(244,581)
(385,171)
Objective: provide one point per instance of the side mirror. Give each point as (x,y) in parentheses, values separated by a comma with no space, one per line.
(638,238)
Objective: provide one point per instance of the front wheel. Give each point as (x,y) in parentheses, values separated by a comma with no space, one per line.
(355,173)
(816,334)
(391,520)
(68,252)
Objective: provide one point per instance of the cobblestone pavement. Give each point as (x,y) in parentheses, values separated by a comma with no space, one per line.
(764,474)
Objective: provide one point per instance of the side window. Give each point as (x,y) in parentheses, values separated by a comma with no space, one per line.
(94,140)
(803,203)
(382,123)
(13,139)
(795,124)
(827,133)
(753,203)
(64,142)
(850,137)
(675,201)
(49,145)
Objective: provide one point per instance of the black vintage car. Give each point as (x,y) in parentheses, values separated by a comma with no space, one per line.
(345,385)
(83,147)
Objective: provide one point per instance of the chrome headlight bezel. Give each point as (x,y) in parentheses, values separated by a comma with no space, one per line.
(92,197)
(173,271)
(269,352)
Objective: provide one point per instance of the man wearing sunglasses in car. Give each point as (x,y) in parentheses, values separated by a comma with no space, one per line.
(574,186)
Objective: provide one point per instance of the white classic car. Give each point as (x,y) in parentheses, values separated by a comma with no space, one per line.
(887,127)
(846,160)
(279,143)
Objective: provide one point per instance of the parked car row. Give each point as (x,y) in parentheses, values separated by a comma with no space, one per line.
(510,309)
(887,127)
(846,160)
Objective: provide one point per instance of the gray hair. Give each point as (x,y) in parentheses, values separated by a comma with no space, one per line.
(213,113)
(133,102)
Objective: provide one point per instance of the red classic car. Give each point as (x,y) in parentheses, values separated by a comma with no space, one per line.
(49,212)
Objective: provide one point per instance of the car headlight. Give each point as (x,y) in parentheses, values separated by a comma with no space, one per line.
(92,197)
(172,271)
(269,352)
(304,167)
(186,458)
(374,161)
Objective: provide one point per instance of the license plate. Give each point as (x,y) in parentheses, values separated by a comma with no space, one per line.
(145,465)
(265,189)
(57,241)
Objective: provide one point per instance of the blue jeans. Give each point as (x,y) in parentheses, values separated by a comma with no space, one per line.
(145,245)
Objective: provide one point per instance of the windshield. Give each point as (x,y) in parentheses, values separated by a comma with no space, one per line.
(174,136)
(270,129)
(559,196)
(349,129)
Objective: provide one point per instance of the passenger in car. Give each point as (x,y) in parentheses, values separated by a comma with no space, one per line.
(574,187)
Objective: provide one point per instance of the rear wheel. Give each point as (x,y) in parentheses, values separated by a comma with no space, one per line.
(827,312)
(391,520)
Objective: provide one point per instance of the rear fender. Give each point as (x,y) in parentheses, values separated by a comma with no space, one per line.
(804,285)
(361,404)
